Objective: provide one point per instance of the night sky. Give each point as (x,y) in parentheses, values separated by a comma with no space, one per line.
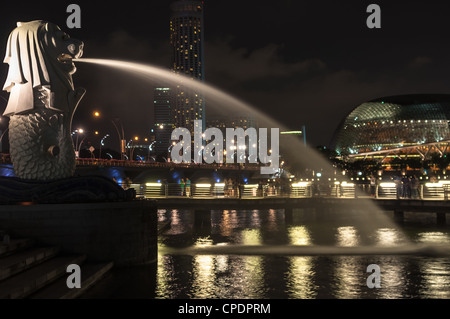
(301,62)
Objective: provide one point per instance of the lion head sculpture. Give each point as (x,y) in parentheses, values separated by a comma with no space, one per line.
(40,56)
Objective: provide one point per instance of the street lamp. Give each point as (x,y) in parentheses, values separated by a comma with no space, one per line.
(102,144)
(120,133)
(77,132)
(132,147)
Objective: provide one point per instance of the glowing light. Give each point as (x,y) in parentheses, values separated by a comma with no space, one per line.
(153,184)
(387,184)
(203,185)
(347,236)
(347,184)
(300,184)
(299,235)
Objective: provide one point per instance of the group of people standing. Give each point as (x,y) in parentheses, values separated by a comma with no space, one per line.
(407,187)
(231,187)
(185,186)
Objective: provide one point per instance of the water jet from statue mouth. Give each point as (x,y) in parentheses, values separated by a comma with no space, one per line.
(65,58)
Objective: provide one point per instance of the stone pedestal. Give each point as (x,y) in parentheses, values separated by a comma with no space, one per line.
(122,232)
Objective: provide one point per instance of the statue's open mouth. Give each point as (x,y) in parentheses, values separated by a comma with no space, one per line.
(65,58)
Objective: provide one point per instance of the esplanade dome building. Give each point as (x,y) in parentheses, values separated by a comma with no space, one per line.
(394,123)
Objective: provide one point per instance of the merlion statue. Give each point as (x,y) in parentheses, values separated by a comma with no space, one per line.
(42,100)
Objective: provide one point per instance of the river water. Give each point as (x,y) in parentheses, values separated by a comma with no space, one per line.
(273,275)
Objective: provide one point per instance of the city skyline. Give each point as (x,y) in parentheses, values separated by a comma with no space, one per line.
(165,157)
(300,63)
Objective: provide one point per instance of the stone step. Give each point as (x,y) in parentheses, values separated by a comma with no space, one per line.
(14,246)
(104,289)
(18,262)
(27,282)
(91,274)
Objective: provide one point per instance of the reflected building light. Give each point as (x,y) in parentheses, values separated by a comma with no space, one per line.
(162,217)
(179,222)
(388,237)
(234,219)
(228,222)
(436,277)
(225,224)
(254,275)
(394,278)
(347,236)
(272,224)
(175,217)
(300,284)
(348,278)
(255,219)
(204,284)
(433,238)
(222,263)
(299,235)
(165,275)
(251,237)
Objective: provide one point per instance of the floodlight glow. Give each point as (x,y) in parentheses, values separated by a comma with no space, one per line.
(300,184)
(153,184)
(387,185)
(347,184)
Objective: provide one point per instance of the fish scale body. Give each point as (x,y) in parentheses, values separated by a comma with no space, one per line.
(31,135)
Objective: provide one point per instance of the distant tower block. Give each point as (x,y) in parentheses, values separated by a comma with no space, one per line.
(162,103)
(186,39)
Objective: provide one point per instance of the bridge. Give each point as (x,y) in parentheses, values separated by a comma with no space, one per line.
(432,199)
(94,162)
(5,159)
(429,197)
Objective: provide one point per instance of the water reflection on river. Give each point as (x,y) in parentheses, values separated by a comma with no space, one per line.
(299,277)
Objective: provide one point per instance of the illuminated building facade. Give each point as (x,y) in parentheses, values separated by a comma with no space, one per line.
(232,121)
(162,103)
(411,124)
(186,40)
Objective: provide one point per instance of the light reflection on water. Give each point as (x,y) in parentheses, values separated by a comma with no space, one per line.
(347,236)
(298,277)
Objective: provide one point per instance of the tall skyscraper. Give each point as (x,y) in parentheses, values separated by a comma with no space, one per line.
(162,103)
(186,39)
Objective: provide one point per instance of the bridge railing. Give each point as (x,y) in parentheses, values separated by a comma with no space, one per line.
(221,190)
(149,164)
(387,190)
(437,191)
